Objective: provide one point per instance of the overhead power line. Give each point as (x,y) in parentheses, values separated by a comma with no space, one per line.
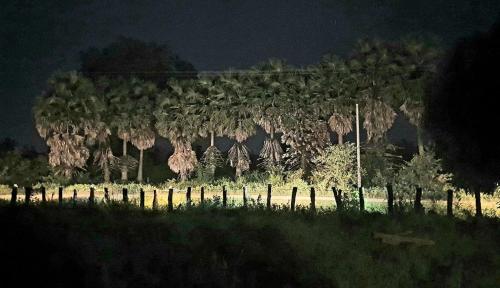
(216,72)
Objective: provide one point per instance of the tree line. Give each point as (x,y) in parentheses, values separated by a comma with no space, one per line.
(297,107)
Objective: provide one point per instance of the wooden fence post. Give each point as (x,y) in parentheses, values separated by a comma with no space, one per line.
(170,204)
(188,197)
(202,195)
(75,196)
(13,198)
(337,195)
(294,195)
(44,197)
(224,196)
(27,195)
(313,200)
(141,196)
(361,199)
(155,200)
(418,200)
(125,195)
(269,191)
(106,195)
(390,199)
(91,196)
(60,196)
(245,196)
(477,195)
(449,203)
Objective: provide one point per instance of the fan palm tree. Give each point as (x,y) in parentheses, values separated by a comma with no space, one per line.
(268,85)
(338,85)
(214,122)
(65,115)
(122,102)
(241,124)
(177,119)
(142,135)
(374,69)
(304,129)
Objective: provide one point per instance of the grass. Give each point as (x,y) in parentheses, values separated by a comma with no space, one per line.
(121,246)
(464,204)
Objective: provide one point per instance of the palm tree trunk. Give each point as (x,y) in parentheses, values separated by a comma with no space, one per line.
(340,138)
(271,134)
(420,141)
(212,138)
(238,172)
(107,174)
(124,168)
(139,172)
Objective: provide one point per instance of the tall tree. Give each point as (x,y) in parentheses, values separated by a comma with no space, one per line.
(338,85)
(142,135)
(215,119)
(66,115)
(461,110)
(131,58)
(177,119)
(304,129)
(416,62)
(373,66)
(268,85)
(241,124)
(122,96)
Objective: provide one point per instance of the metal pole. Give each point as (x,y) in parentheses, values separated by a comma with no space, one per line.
(358,151)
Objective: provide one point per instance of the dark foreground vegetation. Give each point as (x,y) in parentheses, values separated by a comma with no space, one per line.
(122,246)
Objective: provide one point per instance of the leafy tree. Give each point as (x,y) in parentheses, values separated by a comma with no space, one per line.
(24,171)
(336,167)
(128,58)
(426,172)
(461,110)
(381,163)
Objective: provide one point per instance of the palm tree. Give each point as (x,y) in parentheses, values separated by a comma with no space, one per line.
(374,69)
(417,66)
(241,125)
(211,106)
(268,86)
(177,119)
(122,102)
(142,135)
(304,128)
(64,116)
(338,85)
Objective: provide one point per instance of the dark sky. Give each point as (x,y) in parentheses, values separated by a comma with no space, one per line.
(39,37)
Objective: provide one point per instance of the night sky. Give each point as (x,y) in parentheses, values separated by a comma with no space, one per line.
(40,37)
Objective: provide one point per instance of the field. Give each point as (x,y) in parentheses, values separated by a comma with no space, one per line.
(121,246)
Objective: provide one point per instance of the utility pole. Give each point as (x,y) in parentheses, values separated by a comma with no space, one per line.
(358,151)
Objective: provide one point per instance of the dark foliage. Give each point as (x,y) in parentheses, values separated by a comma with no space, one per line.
(119,246)
(462,110)
(127,57)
